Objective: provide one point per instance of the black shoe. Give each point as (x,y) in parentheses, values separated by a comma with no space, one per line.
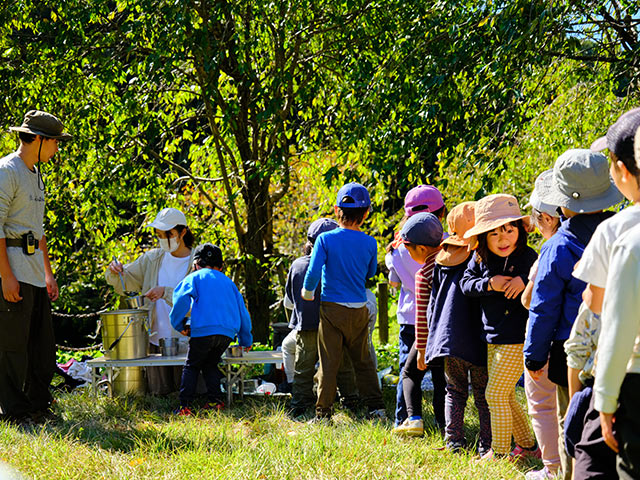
(455,446)
(44,416)
(296,412)
(285,387)
(18,420)
(320,420)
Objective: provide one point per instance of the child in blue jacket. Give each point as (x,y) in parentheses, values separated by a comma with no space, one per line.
(581,187)
(218,314)
(343,259)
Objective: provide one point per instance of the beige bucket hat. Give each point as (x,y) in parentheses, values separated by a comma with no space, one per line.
(455,247)
(461,218)
(493,211)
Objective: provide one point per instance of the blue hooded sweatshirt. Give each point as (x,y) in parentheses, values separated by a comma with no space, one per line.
(557,294)
(217,307)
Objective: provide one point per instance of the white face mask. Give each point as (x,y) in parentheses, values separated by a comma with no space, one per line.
(167,245)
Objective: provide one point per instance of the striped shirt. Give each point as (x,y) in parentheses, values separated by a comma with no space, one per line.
(424,282)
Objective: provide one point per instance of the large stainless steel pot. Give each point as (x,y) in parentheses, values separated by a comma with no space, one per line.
(129,381)
(125,334)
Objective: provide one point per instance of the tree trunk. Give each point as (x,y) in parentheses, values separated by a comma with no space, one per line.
(256,265)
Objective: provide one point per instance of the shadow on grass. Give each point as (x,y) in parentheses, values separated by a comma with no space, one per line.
(129,424)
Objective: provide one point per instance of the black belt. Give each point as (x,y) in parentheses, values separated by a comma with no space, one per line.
(17,242)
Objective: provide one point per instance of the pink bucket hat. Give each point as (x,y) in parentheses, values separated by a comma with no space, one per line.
(423,196)
(493,211)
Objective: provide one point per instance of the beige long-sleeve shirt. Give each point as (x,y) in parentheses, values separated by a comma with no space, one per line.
(142,275)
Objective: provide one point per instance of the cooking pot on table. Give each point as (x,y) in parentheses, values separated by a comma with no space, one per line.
(234,351)
(169,346)
(135,300)
(125,334)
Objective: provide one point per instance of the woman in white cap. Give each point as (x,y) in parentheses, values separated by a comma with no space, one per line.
(156,273)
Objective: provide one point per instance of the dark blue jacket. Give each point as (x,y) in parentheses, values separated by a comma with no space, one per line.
(455,321)
(557,294)
(305,314)
(504,319)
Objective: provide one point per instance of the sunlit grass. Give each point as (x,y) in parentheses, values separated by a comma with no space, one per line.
(139,438)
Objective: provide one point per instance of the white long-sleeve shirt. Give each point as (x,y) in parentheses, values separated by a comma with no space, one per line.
(619,346)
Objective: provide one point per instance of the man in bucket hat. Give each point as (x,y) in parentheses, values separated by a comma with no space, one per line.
(580,185)
(27,345)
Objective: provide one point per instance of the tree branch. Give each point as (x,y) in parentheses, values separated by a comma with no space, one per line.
(185,171)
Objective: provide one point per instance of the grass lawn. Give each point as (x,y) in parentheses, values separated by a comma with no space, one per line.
(135,438)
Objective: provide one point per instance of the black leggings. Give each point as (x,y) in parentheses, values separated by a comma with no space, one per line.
(411,385)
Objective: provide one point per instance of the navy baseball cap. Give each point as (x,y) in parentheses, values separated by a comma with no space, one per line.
(319,226)
(353,195)
(422,229)
(208,255)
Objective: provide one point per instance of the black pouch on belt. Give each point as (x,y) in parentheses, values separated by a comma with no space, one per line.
(29,243)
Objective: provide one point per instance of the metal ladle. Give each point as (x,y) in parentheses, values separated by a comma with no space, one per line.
(124,290)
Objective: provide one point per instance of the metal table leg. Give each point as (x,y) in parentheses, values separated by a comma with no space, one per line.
(241,372)
(229,384)
(94,381)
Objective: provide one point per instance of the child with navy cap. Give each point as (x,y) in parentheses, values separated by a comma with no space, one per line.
(305,318)
(421,235)
(218,314)
(344,258)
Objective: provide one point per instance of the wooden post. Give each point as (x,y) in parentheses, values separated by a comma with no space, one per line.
(383,312)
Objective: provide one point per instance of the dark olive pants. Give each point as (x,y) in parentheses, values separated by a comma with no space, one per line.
(627,428)
(27,352)
(342,328)
(302,395)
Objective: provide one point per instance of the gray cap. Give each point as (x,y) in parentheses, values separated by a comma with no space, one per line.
(542,188)
(619,137)
(42,123)
(319,226)
(422,229)
(580,182)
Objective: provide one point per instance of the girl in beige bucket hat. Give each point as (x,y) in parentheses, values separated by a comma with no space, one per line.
(496,276)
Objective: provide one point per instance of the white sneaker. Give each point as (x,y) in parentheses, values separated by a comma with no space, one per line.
(379,414)
(544,474)
(410,428)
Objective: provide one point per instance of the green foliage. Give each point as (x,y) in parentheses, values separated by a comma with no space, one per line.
(63,356)
(249,114)
(580,110)
(388,356)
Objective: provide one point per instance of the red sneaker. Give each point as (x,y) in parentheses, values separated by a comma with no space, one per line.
(213,406)
(183,411)
(520,453)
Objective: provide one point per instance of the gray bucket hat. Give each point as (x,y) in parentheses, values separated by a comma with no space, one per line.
(580,182)
(541,189)
(37,122)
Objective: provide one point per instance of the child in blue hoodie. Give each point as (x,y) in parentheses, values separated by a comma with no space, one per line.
(581,187)
(218,314)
